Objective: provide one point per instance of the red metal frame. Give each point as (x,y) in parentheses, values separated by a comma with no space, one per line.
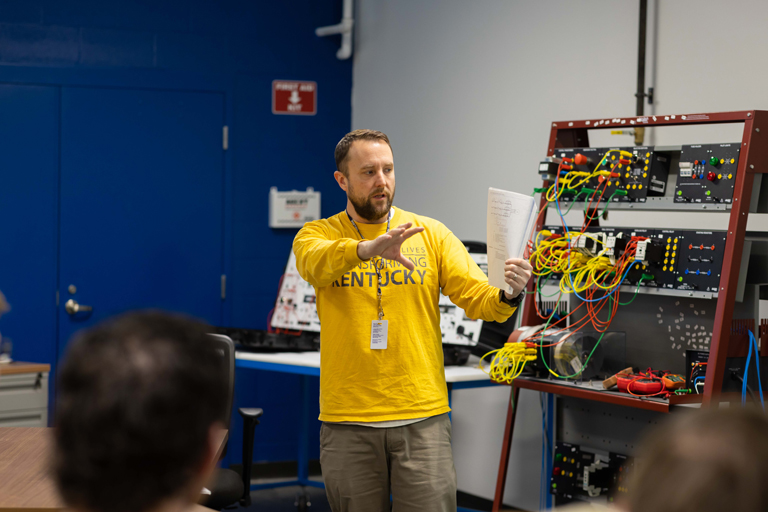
(753,158)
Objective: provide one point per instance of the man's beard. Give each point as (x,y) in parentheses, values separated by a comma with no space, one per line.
(365,207)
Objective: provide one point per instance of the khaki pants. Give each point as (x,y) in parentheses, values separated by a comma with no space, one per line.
(363,465)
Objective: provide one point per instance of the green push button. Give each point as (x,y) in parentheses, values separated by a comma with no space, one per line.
(714,160)
(709,192)
(680,279)
(679,192)
(554,486)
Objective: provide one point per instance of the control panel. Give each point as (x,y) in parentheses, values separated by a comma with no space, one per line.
(629,174)
(664,258)
(707,173)
(580,473)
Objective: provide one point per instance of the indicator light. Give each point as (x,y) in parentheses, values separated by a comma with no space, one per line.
(732,160)
(722,160)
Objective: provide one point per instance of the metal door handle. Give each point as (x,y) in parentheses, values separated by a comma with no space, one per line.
(73,307)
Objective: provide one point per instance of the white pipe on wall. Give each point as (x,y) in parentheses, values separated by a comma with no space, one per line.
(344,28)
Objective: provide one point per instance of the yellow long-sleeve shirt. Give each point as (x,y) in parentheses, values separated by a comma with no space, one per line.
(406,380)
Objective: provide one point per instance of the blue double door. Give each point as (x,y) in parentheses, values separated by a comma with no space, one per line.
(111,199)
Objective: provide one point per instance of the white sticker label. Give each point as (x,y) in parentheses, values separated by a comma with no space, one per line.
(576,365)
(379,334)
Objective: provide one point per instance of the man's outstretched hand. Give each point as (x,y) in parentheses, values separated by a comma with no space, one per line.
(388,245)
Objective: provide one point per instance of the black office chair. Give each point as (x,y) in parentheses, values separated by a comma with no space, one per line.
(228,487)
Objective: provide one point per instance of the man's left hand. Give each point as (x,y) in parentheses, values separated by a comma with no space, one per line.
(517,272)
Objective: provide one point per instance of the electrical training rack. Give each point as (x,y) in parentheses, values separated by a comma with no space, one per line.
(752,161)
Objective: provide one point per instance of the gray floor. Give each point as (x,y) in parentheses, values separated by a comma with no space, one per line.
(283,499)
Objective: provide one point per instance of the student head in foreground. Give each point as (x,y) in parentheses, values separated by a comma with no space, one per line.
(140,403)
(708,461)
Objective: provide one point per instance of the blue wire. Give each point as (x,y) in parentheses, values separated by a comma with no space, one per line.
(753,340)
(746,375)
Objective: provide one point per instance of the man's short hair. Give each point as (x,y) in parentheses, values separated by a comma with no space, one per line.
(136,399)
(342,148)
(708,461)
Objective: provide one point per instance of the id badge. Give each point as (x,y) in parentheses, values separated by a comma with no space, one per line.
(379,334)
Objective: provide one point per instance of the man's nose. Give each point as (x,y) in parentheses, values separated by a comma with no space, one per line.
(380,178)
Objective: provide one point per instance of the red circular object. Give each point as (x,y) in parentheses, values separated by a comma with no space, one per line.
(701,247)
(695,162)
(711,176)
(713,247)
(690,246)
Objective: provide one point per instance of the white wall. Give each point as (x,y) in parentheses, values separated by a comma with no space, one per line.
(467,90)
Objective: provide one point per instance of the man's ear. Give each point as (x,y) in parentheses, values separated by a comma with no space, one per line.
(341,180)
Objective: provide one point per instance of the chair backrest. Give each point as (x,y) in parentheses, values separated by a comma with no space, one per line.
(225,348)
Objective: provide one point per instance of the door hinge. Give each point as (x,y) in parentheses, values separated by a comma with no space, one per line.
(225,138)
(223,286)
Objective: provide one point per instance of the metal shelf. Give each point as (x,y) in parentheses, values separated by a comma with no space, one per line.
(658,204)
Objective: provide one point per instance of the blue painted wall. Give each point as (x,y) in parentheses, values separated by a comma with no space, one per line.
(241,46)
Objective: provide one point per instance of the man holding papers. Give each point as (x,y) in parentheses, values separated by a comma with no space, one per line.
(377,272)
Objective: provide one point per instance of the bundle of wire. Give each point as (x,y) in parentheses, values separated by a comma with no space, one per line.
(509,361)
(594,276)
(752,344)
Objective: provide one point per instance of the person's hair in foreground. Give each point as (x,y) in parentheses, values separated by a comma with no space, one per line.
(710,460)
(137,401)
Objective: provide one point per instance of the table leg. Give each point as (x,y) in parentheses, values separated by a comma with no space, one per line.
(505,446)
(303,460)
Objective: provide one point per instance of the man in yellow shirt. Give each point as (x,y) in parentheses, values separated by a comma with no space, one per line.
(383,396)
